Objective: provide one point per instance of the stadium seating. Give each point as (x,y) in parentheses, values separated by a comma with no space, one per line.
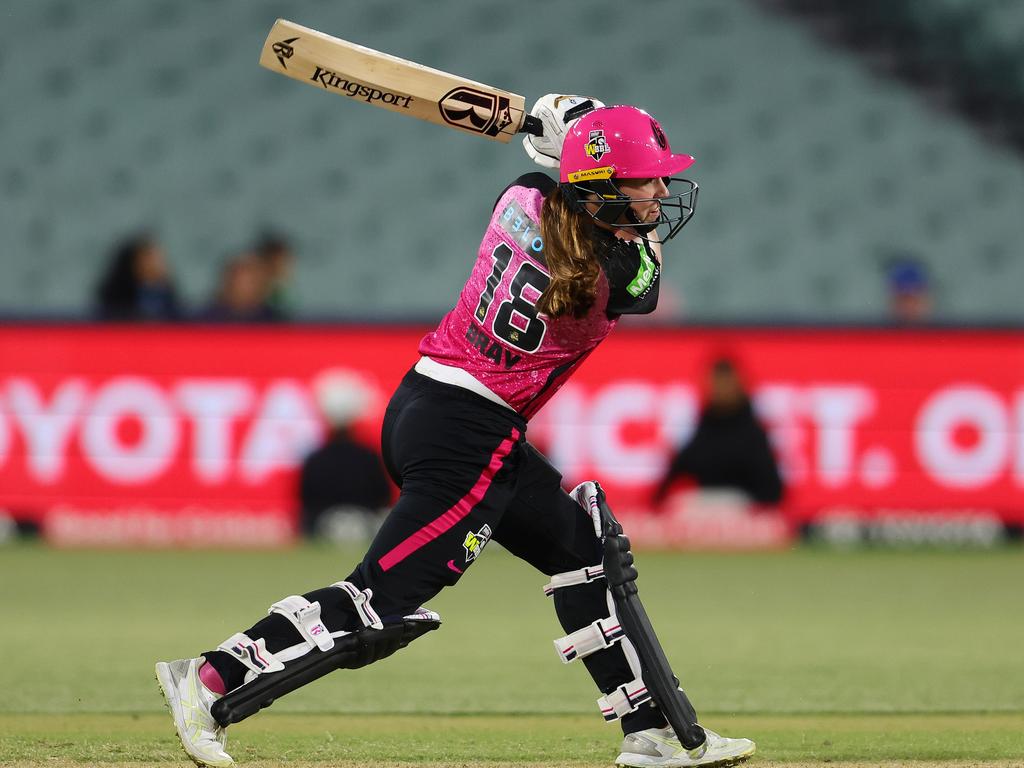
(123,115)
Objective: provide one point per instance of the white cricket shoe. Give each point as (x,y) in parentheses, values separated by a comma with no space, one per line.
(189,702)
(660,747)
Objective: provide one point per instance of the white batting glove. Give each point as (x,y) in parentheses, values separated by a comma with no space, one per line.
(585,494)
(557,112)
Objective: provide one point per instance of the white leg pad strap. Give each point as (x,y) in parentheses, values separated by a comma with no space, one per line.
(305,617)
(361,600)
(252,653)
(602,634)
(623,700)
(572,578)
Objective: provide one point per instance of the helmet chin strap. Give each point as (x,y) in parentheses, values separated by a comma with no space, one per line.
(641,232)
(634,226)
(638,226)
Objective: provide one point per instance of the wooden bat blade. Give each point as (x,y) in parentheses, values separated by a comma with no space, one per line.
(386,81)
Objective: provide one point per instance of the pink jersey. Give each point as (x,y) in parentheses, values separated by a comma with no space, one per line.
(495,332)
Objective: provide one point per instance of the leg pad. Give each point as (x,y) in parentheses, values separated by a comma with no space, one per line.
(349,652)
(662,685)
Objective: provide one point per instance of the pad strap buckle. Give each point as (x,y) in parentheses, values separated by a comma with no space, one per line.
(361,600)
(623,700)
(305,616)
(602,634)
(252,653)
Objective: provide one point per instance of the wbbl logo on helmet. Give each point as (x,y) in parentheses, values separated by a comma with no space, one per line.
(475,111)
(597,147)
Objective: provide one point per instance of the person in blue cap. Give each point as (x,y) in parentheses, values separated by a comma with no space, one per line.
(910,299)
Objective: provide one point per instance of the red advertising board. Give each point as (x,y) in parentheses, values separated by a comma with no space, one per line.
(193,434)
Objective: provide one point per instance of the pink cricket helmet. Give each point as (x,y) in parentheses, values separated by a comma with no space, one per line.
(623,142)
(626,140)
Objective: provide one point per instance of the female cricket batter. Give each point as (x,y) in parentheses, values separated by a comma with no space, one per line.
(558,266)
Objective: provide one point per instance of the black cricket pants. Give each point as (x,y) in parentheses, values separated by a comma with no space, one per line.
(467,475)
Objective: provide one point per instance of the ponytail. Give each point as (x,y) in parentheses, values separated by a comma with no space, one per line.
(571,262)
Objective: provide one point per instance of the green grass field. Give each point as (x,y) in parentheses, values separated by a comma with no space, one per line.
(850,659)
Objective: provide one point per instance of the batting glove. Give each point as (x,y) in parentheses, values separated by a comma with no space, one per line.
(557,112)
(585,494)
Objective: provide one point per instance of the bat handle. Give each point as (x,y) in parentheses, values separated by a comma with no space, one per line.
(532,125)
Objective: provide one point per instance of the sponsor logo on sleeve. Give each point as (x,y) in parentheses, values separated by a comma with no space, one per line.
(525,232)
(644,275)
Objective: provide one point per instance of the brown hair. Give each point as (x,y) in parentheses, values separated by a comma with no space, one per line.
(571,262)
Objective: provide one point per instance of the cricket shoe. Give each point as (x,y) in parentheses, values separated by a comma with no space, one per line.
(189,702)
(660,747)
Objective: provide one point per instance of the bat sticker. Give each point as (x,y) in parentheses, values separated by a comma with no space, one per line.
(284,50)
(475,111)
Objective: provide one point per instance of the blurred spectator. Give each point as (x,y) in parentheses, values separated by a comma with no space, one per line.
(910,298)
(343,489)
(278,262)
(8,527)
(729,448)
(137,284)
(242,293)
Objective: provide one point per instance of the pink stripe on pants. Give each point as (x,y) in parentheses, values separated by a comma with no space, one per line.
(449,519)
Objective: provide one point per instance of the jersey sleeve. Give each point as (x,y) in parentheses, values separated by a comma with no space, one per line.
(634,278)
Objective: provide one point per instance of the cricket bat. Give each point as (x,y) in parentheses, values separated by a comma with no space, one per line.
(386,81)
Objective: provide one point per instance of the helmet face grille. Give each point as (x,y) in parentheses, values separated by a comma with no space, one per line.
(606,203)
(684,205)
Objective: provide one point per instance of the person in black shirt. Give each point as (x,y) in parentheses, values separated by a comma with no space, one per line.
(137,285)
(342,481)
(241,293)
(729,448)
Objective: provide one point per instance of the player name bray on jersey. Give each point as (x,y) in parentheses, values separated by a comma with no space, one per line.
(489,348)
